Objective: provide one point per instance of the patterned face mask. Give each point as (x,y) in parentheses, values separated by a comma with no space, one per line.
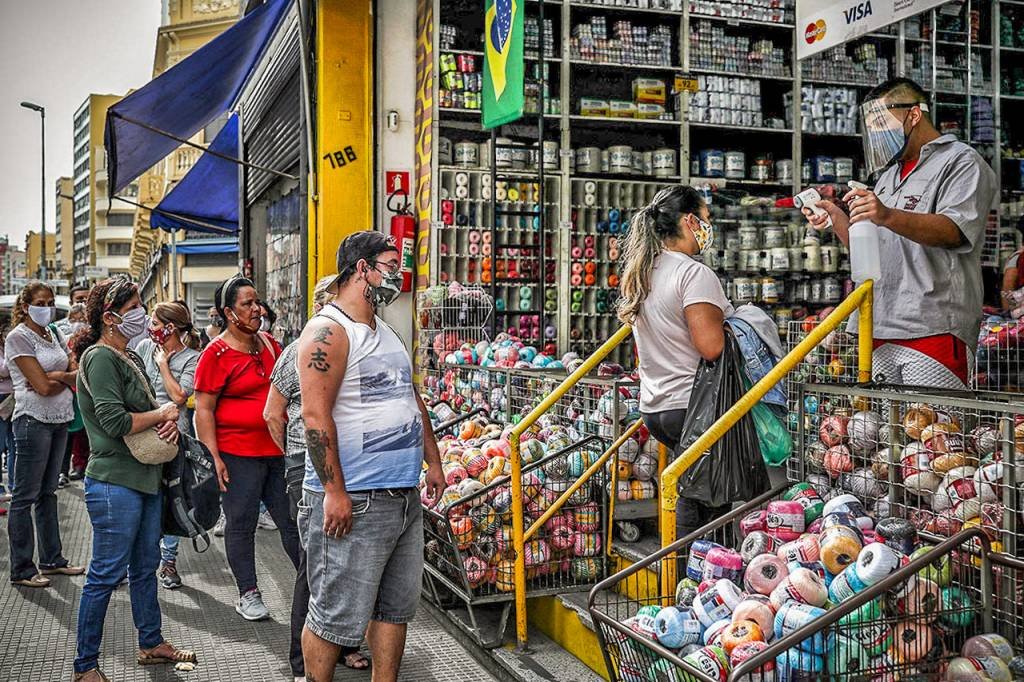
(704,234)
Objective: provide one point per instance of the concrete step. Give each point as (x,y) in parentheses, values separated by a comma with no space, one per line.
(545,661)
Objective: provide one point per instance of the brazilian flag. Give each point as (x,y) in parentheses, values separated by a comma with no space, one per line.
(503,62)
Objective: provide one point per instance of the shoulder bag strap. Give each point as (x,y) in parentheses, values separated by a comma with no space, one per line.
(128,361)
(269,345)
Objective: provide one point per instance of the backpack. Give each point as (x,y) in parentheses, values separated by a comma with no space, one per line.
(191,493)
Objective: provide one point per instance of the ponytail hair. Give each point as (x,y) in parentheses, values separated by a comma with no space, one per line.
(648,230)
(177,313)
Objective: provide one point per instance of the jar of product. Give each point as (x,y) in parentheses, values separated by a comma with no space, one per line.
(829,259)
(796,258)
(606,161)
(503,153)
(769,290)
(802,290)
(805,171)
(779,261)
(761,169)
(664,162)
(588,160)
(712,163)
(812,258)
(550,155)
(783,316)
(764,259)
(729,260)
(774,236)
(749,237)
(467,154)
(520,157)
(824,169)
(746,290)
(729,287)
(833,290)
(750,260)
(732,241)
(620,159)
(844,169)
(638,162)
(784,170)
(648,163)
(735,165)
(444,151)
(817,291)
(695,166)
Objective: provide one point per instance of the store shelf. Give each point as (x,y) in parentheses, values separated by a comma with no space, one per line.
(622,121)
(734,21)
(726,128)
(624,10)
(837,84)
(1018,98)
(625,177)
(1012,49)
(616,65)
(950,43)
(741,74)
(849,135)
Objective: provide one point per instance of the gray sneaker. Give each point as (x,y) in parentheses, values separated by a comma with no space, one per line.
(251,607)
(168,576)
(218,528)
(266,522)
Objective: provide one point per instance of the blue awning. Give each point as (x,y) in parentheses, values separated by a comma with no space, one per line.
(206,199)
(148,124)
(204,246)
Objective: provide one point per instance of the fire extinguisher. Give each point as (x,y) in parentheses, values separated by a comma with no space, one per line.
(403,231)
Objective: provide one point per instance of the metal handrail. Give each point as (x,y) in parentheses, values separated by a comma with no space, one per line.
(860,299)
(518,532)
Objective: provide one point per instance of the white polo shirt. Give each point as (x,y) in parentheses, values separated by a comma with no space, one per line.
(929,290)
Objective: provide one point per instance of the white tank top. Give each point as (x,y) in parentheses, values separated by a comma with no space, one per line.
(380,428)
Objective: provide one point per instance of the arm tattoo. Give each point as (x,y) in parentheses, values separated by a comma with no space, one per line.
(317,443)
(320,335)
(318,360)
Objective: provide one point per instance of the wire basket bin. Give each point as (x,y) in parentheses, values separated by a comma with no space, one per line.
(469,537)
(909,624)
(451,316)
(998,363)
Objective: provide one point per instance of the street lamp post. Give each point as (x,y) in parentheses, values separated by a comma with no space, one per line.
(42,182)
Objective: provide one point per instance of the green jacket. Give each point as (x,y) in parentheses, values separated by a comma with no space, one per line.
(117,391)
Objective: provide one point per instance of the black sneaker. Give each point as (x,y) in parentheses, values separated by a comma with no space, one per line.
(63,481)
(168,576)
(77,474)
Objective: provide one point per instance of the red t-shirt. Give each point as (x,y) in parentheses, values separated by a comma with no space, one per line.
(243,383)
(943,348)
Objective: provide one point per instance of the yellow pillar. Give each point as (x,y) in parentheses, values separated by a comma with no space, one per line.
(342,200)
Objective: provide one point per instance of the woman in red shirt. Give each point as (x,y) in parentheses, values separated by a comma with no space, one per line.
(232,382)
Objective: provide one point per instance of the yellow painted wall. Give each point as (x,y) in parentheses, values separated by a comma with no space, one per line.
(343,199)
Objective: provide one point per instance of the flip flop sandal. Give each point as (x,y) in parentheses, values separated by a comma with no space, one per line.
(35,581)
(355,665)
(64,570)
(177,656)
(94,675)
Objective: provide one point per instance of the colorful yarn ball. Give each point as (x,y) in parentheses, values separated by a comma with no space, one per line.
(863,432)
(837,461)
(578,462)
(587,544)
(585,568)
(449,497)
(537,552)
(531,451)
(533,482)
(505,576)
(455,474)
(629,450)
(588,517)
(556,467)
(463,530)
(561,534)
(645,467)
(475,462)
(469,487)
(476,570)
(642,490)
(502,502)
(485,519)
(833,430)
(580,496)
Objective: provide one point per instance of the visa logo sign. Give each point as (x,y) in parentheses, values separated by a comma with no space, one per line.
(858,12)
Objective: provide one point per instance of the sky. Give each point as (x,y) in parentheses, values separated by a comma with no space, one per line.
(54,53)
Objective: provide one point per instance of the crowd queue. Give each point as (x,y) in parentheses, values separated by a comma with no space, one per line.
(327,439)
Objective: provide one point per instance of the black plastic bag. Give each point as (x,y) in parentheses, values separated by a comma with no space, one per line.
(733,470)
(191,493)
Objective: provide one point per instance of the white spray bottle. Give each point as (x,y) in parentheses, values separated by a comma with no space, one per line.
(865,255)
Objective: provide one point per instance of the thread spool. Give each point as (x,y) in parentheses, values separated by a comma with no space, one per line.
(717,602)
(711,660)
(713,633)
(850,657)
(803,549)
(808,497)
(461,192)
(794,616)
(845,585)
(897,533)
(462,179)
(589,280)
(698,553)
(686,590)
(852,506)
(803,586)
(577,252)
(754,521)
(923,602)
(840,546)
(757,608)
(613,281)
(589,200)
(911,642)
(837,461)
(675,628)
(957,608)
(988,645)
(785,519)
(744,652)
(764,573)
(756,543)
(978,669)
(877,561)
(576,280)
(723,563)
(741,632)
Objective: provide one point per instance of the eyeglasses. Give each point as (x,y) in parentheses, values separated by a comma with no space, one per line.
(390,268)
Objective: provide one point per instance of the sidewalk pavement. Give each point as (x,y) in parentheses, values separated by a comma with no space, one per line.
(37,626)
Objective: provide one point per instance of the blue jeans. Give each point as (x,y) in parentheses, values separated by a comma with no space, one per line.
(169,548)
(126,528)
(40,455)
(7,448)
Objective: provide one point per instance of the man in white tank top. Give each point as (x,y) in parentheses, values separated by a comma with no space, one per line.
(367,436)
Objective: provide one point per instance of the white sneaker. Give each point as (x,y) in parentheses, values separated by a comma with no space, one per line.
(251,607)
(218,528)
(266,522)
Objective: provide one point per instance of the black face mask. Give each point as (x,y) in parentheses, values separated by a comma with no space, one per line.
(216,321)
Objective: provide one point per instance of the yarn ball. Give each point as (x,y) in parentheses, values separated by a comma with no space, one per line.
(485,519)
(833,430)
(587,517)
(587,544)
(837,461)
(863,432)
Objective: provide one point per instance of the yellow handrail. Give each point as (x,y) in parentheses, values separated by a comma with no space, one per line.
(860,299)
(518,534)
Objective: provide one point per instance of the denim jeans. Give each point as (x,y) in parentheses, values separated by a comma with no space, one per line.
(254,480)
(169,548)
(125,534)
(40,449)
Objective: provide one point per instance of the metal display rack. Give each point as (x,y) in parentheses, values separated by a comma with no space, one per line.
(583,214)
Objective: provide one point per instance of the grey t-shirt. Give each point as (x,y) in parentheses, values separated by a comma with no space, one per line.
(668,358)
(52,357)
(183,369)
(285,378)
(929,290)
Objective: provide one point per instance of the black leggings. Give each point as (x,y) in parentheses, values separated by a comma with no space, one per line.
(667,428)
(254,479)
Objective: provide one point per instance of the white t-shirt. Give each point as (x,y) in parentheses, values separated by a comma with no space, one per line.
(54,409)
(668,358)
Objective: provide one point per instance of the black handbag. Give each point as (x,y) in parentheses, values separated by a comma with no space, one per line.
(191,493)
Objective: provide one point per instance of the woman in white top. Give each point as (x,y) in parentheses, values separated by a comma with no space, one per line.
(42,375)
(677,308)
(6,435)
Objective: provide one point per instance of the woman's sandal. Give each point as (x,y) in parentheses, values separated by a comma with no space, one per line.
(356,661)
(35,581)
(94,675)
(165,653)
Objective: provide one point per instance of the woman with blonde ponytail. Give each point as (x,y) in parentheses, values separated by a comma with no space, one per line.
(171,355)
(677,308)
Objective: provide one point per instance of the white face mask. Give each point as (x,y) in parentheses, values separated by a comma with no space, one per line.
(41,314)
(265,325)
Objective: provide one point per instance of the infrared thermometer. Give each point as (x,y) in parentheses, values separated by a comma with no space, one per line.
(809,199)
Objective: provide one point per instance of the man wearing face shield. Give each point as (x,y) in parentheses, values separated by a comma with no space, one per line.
(367,436)
(930,202)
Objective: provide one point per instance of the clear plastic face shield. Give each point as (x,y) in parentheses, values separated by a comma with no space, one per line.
(885,138)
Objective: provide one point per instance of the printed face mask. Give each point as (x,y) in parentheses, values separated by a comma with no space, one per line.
(704,234)
(160,335)
(387,291)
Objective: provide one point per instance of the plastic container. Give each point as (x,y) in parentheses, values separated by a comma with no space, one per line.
(712,163)
(865,259)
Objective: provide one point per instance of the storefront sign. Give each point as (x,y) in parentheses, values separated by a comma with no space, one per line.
(821,24)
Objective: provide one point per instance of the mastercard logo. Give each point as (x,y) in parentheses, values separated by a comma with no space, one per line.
(815,31)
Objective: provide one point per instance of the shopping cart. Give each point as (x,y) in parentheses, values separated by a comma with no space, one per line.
(986,588)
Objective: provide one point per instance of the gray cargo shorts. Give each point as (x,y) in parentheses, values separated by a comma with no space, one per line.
(373,573)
